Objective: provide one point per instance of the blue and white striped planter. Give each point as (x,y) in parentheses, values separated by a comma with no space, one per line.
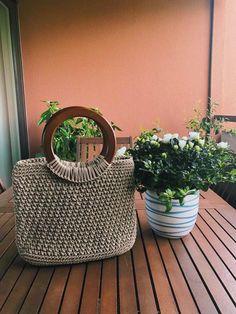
(176,223)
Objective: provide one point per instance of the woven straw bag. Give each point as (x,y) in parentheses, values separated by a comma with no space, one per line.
(72,212)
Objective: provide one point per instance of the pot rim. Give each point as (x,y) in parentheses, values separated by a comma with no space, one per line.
(197,192)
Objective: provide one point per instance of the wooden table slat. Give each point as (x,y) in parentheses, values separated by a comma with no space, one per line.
(228,228)
(8,208)
(178,282)
(10,278)
(218,246)
(109,286)
(90,301)
(6,204)
(219,231)
(213,198)
(4,218)
(7,241)
(197,287)
(37,291)
(73,291)
(228,214)
(214,260)
(146,297)
(7,259)
(166,298)
(126,285)
(7,227)
(139,205)
(6,196)
(217,291)
(52,301)
(20,290)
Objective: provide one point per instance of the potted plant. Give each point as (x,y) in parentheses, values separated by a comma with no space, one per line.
(172,171)
(214,125)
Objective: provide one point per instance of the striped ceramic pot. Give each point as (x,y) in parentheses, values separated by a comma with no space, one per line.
(173,224)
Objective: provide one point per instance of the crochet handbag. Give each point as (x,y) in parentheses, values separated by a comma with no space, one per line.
(72,212)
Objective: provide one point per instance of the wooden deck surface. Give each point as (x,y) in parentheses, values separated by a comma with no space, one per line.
(192,275)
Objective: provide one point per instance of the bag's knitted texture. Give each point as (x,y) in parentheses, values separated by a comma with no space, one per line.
(59,222)
(79,171)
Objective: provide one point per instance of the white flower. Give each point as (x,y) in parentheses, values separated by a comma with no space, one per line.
(121,151)
(154,137)
(201,142)
(175,135)
(184,138)
(182,143)
(190,144)
(223,145)
(194,135)
(167,137)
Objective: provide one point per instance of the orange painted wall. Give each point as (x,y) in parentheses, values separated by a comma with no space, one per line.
(138,61)
(224,57)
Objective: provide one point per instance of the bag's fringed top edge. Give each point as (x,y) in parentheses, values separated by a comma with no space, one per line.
(79,171)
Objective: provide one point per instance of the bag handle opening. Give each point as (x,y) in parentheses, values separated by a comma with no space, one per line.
(70,170)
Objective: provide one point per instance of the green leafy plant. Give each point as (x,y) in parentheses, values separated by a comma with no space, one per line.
(175,167)
(207,124)
(66,135)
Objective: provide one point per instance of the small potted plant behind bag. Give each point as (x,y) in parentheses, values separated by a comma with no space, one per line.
(172,171)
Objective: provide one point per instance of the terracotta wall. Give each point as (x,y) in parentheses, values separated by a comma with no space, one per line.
(224,57)
(140,62)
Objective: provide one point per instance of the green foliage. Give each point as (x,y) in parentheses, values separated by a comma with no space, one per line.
(174,167)
(207,124)
(66,135)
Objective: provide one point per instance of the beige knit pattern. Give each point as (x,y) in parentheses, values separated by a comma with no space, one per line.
(79,171)
(64,222)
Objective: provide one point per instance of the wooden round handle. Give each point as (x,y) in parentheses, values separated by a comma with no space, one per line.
(109,140)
